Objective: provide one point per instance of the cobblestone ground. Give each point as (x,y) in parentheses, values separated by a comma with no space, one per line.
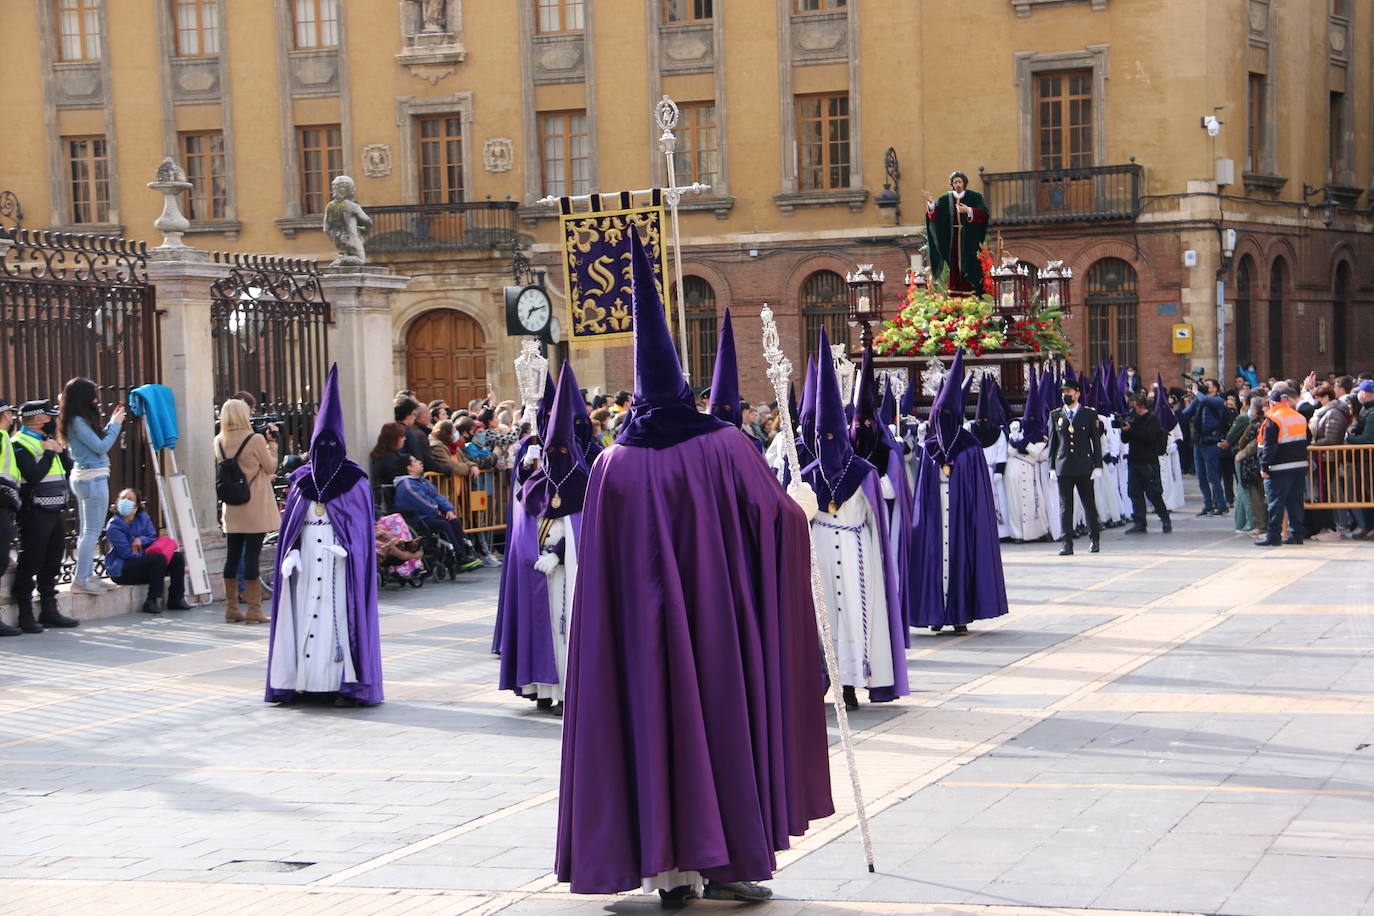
(1178,724)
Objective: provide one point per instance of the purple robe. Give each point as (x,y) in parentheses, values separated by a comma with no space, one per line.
(524,633)
(977,590)
(694,736)
(350,513)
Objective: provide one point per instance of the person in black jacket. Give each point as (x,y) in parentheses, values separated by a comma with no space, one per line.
(43,469)
(1146,442)
(410,413)
(1076,462)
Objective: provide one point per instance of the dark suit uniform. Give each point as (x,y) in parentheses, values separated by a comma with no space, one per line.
(1146,441)
(1075,452)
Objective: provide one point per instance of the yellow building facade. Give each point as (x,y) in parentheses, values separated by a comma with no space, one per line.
(1081,121)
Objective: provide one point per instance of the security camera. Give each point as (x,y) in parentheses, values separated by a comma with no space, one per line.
(1212,124)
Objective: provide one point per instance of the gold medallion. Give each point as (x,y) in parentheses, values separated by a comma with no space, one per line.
(556,501)
(945,469)
(833,508)
(319,509)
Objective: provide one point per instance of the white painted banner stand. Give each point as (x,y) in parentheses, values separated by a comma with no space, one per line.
(179,517)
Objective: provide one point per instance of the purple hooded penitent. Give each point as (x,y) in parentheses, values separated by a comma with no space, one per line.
(694,733)
(725,401)
(1164,411)
(581,417)
(806,416)
(966,533)
(329,477)
(837,472)
(887,410)
(525,635)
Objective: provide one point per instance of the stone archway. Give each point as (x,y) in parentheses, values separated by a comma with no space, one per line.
(446,357)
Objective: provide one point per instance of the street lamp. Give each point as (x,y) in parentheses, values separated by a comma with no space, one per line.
(1054,287)
(865,298)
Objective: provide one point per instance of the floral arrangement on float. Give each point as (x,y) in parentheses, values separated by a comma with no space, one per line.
(1007,314)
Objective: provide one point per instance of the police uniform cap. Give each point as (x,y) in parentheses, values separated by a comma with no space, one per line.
(37,407)
(1071,383)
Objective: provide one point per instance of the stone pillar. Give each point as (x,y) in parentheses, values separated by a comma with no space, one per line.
(360,342)
(183,277)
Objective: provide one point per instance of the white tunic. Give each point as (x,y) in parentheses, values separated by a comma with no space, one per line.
(1171,471)
(560,582)
(849,555)
(994,455)
(1027,505)
(310,650)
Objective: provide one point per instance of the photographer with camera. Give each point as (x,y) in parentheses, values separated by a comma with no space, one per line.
(1145,441)
(1205,416)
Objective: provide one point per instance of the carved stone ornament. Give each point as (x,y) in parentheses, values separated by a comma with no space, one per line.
(560,58)
(315,72)
(1338,39)
(376,160)
(980,372)
(345,223)
(498,154)
(80,85)
(684,50)
(197,79)
(1259,18)
(820,39)
(431,73)
(932,376)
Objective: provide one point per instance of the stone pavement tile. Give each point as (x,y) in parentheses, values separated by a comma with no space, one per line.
(920,881)
(1190,850)
(1146,887)
(1310,885)
(1049,863)
(456,852)
(1036,809)
(1038,894)
(1229,819)
(484,877)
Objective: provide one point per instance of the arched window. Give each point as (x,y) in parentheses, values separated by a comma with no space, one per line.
(1113,308)
(703,328)
(824,303)
(1278,280)
(1245,284)
(1340,314)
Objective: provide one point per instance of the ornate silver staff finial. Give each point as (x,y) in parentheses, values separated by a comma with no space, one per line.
(778,372)
(531,370)
(666,117)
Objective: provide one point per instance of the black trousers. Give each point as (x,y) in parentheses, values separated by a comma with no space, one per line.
(247,546)
(150,569)
(1084,486)
(6,537)
(42,541)
(450,529)
(1143,484)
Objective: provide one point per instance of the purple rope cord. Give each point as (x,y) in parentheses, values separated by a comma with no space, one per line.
(857,531)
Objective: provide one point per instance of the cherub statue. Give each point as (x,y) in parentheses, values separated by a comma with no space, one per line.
(345,222)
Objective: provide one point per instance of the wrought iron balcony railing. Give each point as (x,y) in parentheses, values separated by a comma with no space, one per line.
(1098,193)
(433,227)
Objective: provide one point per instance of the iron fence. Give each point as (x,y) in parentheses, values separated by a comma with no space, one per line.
(269,328)
(423,227)
(1097,193)
(78,305)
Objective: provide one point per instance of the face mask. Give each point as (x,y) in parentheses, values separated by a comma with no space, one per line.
(125,507)
(480,438)
(1068,399)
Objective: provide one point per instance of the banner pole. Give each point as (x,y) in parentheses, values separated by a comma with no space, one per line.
(666,117)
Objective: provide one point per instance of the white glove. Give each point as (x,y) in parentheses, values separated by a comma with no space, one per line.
(804,496)
(886,486)
(546,563)
(997,476)
(1054,475)
(532,454)
(1097,474)
(338,551)
(291,563)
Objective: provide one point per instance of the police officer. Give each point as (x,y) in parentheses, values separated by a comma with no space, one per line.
(9,497)
(1076,462)
(43,468)
(1146,441)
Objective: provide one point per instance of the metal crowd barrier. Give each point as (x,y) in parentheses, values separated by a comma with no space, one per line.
(1340,477)
(480,501)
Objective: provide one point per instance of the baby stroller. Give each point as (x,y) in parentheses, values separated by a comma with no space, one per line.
(399,553)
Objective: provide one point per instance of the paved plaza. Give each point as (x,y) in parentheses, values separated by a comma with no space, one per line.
(1178,724)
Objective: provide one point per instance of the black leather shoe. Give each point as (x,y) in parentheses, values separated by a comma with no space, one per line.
(1166,526)
(27,622)
(960,629)
(1094,544)
(936,629)
(851,699)
(737,890)
(150,606)
(676,898)
(1296,542)
(177,604)
(1268,543)
(56,620)
(1067,549)
(1136,529)
(7,630)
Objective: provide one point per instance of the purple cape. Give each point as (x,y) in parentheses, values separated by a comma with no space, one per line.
(694,736)
(351,515)
(977,589)
(523,632)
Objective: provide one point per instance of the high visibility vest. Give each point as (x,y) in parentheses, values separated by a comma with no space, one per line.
(35,448)
(9,467)
(1292,433)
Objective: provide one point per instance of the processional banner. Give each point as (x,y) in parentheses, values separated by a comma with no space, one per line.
(596,264)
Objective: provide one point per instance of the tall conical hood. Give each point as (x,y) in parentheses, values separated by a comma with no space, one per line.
(725,379)
(581,417)
(1163,409)
(947,412)
(792,402)
(865,432)
(806,415)
(1033,425)
(663,412)
(329,472)
(1088,396)
(909,397)
(541,412)
(887,413)
(562,474)
(984,430)
(837,471)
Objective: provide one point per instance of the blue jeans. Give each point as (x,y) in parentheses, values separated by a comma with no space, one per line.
(93,501)
(1283,491)
(1207,462)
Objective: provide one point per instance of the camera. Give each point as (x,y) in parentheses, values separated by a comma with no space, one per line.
(261,423)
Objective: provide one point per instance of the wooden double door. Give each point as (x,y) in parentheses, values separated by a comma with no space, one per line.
(446,358)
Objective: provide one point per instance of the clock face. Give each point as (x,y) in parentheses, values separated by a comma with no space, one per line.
(533,309)
(555,330)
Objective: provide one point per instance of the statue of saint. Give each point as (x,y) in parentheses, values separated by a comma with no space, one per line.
(434,15)
(955,227)
(346,223)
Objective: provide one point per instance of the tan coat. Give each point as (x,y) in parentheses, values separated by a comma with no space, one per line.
(258,462)
(455,464)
